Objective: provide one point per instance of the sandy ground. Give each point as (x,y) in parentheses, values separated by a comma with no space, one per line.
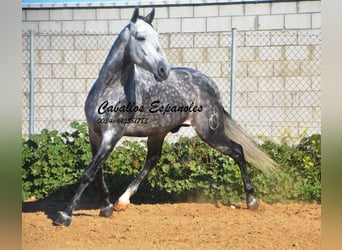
(175,226)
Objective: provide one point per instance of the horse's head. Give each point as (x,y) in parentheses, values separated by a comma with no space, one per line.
(144,47)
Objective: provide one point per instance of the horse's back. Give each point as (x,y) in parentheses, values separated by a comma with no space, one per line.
(196,78)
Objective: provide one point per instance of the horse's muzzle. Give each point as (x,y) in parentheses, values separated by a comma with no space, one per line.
(163,71)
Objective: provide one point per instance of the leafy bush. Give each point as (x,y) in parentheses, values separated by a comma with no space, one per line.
(187,169)
(191,166)
(51,160)
(299,177)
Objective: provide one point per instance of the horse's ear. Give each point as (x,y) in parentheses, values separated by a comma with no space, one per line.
(135,15)
(150,16)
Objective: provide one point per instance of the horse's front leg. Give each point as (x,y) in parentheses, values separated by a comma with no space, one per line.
(154,147)
(107,207)
(107,144)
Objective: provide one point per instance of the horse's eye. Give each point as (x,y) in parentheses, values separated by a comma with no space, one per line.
(140,37)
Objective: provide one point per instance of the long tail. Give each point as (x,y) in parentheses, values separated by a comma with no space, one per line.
(253,153)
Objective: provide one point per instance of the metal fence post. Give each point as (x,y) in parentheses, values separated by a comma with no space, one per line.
(31,118)
(232,72)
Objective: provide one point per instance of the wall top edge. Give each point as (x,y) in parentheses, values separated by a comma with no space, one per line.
(58,4)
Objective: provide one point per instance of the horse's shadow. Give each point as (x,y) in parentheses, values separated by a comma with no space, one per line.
(58,200)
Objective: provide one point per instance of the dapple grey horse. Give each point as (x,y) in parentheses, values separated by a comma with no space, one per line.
(138,94)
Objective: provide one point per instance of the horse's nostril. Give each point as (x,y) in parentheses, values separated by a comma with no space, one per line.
(163,71)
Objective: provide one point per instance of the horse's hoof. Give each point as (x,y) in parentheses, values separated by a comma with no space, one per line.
(107,211)
(120,206)
(63,220)
(252,203)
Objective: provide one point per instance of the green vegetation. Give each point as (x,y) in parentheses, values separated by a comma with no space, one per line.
(53,162)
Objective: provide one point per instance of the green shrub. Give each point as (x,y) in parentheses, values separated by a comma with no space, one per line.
(191,166)
(187,169)
(51,160)
(299,175)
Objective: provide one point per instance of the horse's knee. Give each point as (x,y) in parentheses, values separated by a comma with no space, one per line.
(86,178)
(155,159)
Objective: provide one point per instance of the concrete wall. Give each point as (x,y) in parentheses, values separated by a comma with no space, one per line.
(278,58)
(195,18)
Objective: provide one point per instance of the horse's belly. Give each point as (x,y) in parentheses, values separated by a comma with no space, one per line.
(152,124)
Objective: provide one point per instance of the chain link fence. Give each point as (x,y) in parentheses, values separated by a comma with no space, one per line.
(277,83)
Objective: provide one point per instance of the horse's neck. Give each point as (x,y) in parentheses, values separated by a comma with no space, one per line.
(117,66)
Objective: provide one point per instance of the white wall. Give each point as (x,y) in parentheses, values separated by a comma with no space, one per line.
(278,59)
(196,18)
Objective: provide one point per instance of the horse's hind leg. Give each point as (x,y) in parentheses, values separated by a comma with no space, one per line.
(239,158)
(154,147)
(107,144)
(220,141)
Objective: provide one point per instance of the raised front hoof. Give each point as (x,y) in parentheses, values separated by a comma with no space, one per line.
(62,220)
(120,206)
(252,203)
(107,211)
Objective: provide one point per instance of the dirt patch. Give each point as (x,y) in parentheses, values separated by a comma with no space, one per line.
(176,226)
